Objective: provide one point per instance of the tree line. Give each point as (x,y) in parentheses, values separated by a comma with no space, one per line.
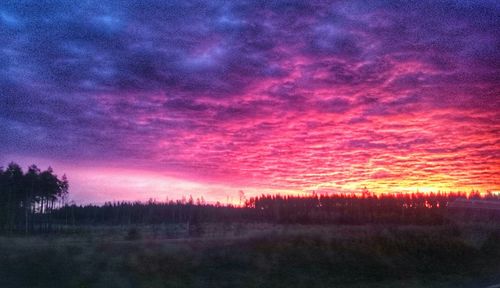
(35,200)
(367,208)
(28,199)
(352,209)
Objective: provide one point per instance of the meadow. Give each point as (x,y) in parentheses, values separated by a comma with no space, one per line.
(254,255)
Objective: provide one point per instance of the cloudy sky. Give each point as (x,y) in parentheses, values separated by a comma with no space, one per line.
(155,99)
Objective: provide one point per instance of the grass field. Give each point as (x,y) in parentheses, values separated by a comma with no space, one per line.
(246,255)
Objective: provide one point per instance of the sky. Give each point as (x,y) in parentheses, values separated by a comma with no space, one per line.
(163,99)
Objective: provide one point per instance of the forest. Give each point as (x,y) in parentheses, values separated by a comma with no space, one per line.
(350,209)
(36,201)
(28,199)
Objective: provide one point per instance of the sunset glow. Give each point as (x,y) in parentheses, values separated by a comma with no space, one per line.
(150,100)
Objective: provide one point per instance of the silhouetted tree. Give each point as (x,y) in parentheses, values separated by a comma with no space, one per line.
(38,200)
(31,187)
(363,208)
(25,196)
(13,177)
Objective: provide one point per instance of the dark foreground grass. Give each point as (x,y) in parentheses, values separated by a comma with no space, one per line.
(347,257)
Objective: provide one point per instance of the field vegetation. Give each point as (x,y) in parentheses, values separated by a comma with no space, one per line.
(255,255)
